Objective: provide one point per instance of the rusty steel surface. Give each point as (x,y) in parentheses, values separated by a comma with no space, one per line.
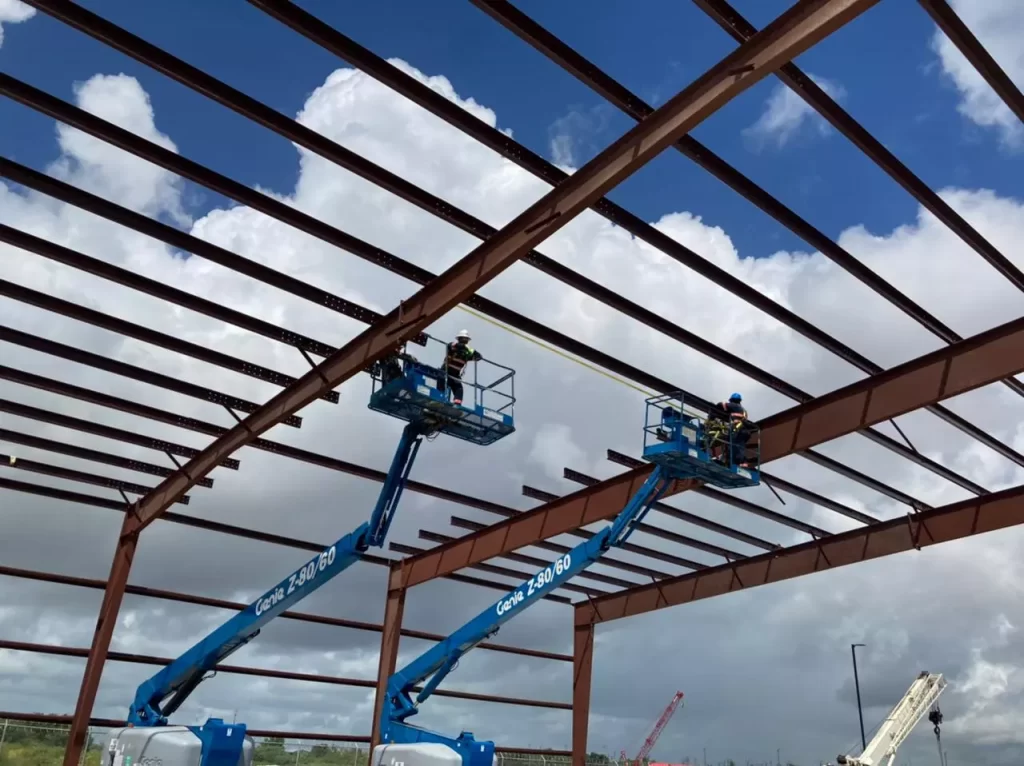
(83,453)
(983,359)
(791,34)
(106,131)
(972,49)
(387,660)
(217,603)
(209,525)
(131,371)
(112,723)
(998,510)
(550,497)
(147,335)
(607,560)
(421,94)
(534,561)
(742,30)
(286,675)
(70,474)
(582,674)
(528,30)
(681,515)
(193,424)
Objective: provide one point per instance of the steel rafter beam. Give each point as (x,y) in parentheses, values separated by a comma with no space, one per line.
(330,39)
(741,30)
(192,424)
(528,30)
(972,49)
(787,37)
(792,33)
(998,510)
(681,515)
(217,603)
(986,358)
(84,453)
(121,138)
(285,675)
(227,529)
(731,499)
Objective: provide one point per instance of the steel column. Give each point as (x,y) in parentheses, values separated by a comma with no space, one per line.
(390,637)
(582,673)
(113,594)
(985,358)
(976,516)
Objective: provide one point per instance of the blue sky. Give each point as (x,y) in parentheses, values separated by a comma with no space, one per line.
(897,91)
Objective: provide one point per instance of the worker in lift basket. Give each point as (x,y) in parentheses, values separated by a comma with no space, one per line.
(729,417)
(457,356)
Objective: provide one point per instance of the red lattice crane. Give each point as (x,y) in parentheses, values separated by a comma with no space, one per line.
(652,738)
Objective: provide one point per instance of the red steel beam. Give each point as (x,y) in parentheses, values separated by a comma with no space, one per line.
(218,603)
(208,525)
(583,671)
(969,45)
(284,675)
(975,516)
(787,37)
(792,33)
(983,359)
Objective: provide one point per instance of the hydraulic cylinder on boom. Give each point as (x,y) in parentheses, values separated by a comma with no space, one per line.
(681,446)
(403,388)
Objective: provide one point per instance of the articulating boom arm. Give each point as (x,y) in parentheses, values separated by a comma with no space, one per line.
(881,750)
(179,679)
(432,667)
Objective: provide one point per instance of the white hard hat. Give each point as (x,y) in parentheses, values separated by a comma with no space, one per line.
(463,334)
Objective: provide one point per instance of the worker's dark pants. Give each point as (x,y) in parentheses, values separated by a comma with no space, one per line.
(740,438)
(455,385)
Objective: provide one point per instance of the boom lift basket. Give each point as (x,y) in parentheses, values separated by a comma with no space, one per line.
(411,390)
(694,446)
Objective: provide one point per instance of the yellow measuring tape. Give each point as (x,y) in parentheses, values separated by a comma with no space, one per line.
(563,354)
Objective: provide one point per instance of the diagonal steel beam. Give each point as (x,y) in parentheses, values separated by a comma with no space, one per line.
(792,33)
(787,37)
(998,510)
(965,366)
(741,30)
(969,45)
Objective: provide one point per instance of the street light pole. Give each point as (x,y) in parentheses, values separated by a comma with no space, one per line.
(856,683)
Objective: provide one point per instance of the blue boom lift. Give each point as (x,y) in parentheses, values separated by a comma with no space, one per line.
(681,446)
(402,387)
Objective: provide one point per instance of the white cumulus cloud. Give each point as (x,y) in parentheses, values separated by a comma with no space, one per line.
(791,639)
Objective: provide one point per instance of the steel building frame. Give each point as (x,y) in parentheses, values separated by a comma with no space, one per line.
(963,365)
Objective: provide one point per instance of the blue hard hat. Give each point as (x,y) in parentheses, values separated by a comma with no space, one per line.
(735,398)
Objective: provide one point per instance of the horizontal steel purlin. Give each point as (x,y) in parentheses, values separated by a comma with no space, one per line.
(528,30)
(60,472)
(421,94)
(162,416)
(83,453)
(80,198)
(285,675)
(972,49)
(217,603)
(985,358)
(113,723)
(228,529)
(976,516)
(741,30)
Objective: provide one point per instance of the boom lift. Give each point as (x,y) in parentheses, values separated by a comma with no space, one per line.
(881,750)
(680,445)
(402,387)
